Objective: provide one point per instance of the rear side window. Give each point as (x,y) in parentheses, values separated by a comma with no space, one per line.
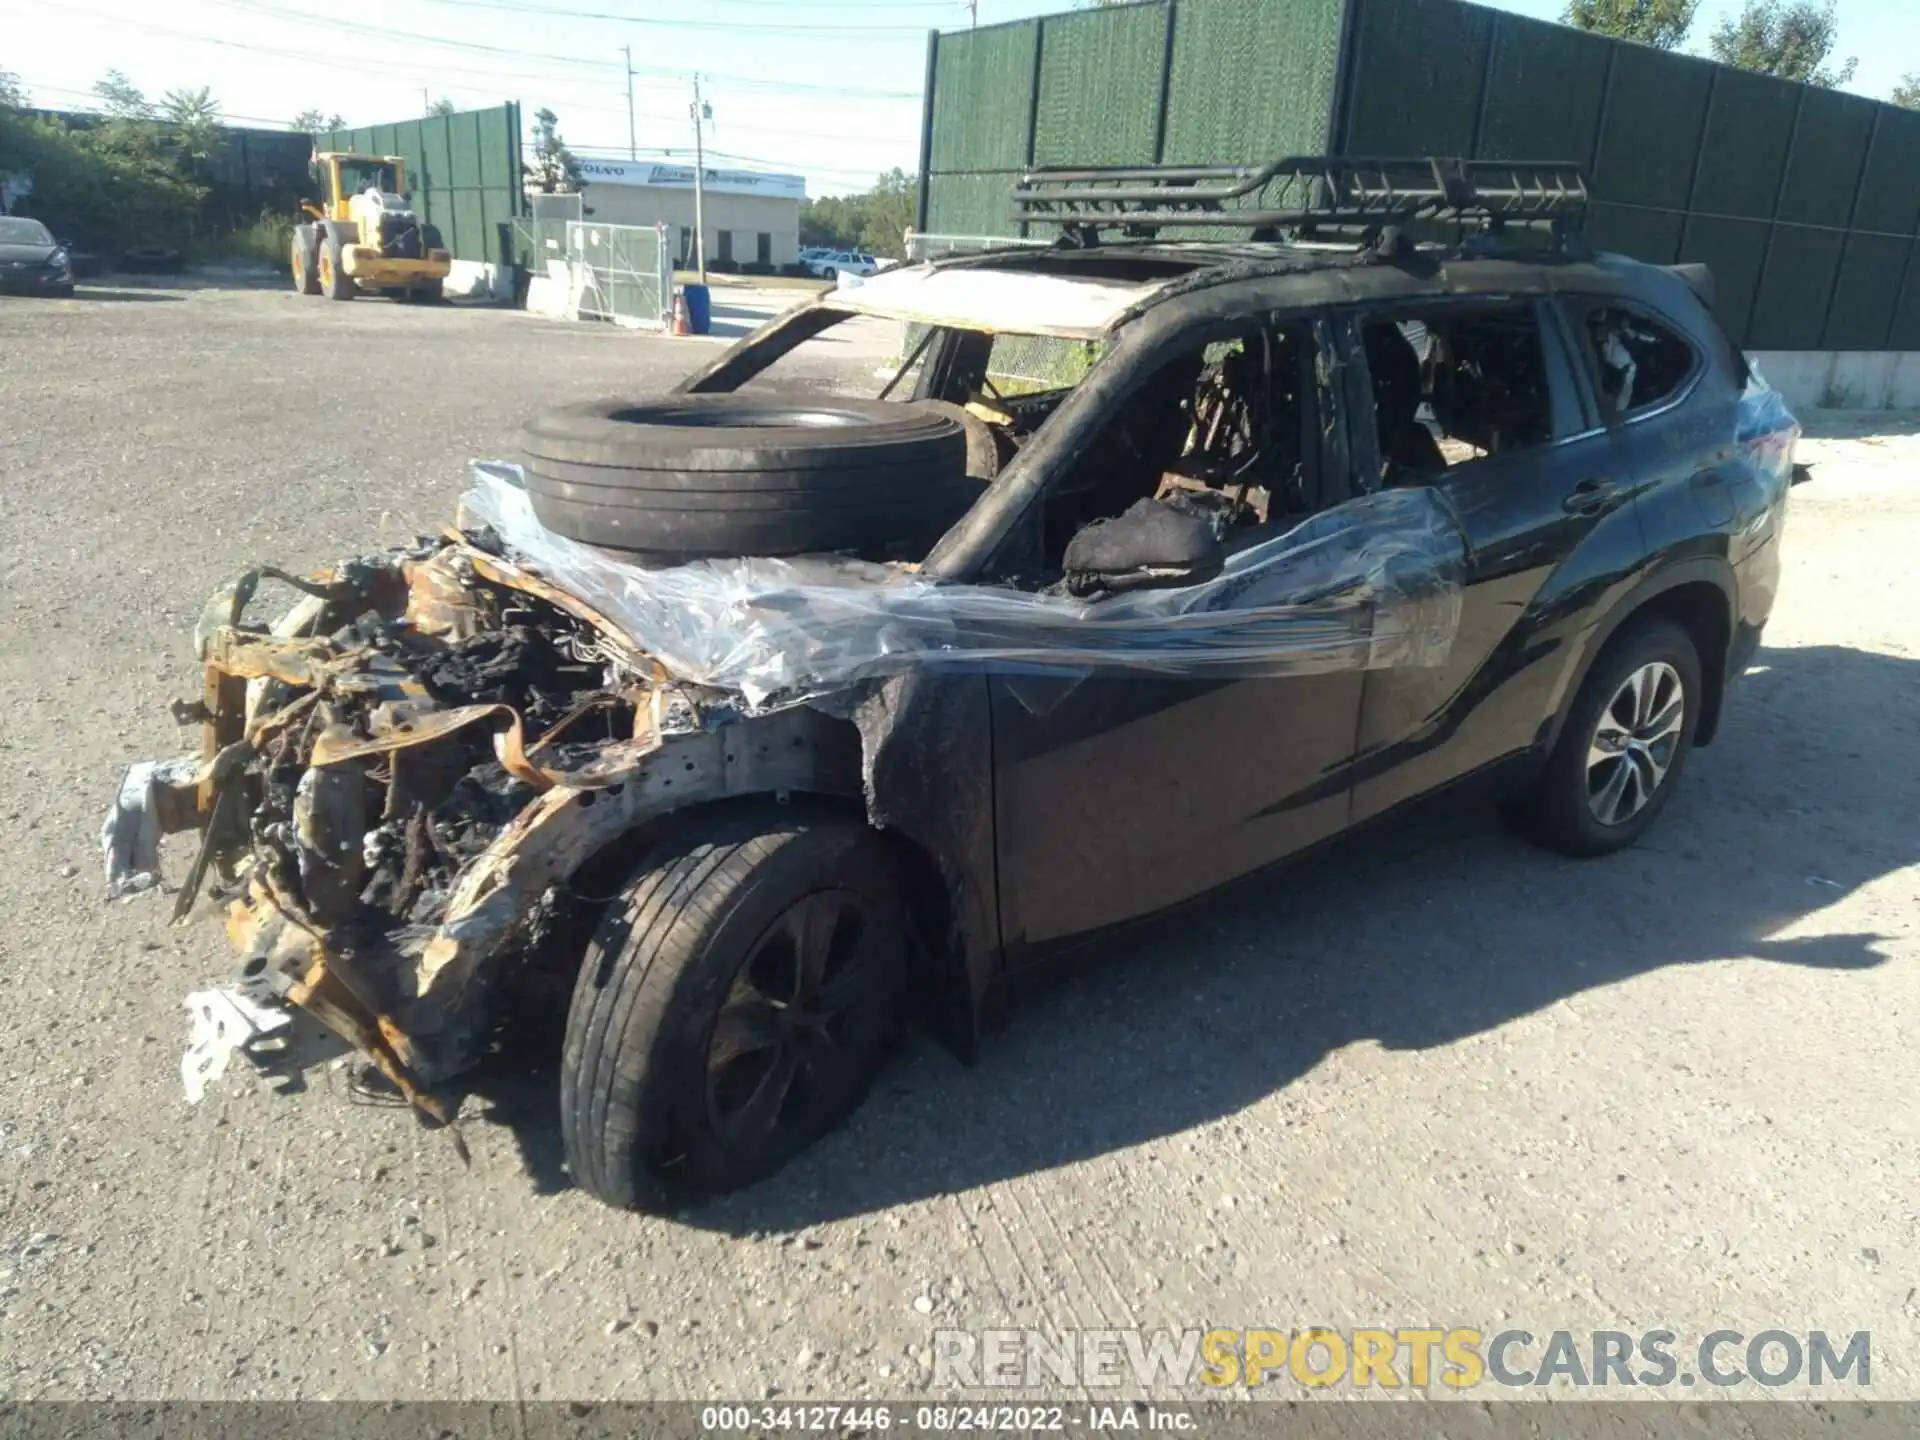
(1451,387)
(1641,362)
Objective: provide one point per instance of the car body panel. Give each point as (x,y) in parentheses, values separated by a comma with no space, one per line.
(1033,810)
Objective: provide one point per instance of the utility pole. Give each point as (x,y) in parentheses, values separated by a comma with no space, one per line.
(973,14)
(701,112)
(633,138)
(426,105)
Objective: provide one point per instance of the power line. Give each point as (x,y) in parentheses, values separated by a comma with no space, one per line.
(413,69)
(759,27)
(93,107)
(357,27)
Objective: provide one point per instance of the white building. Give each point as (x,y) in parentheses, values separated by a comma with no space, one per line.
(750,215)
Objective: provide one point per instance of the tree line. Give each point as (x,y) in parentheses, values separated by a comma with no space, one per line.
(875,220)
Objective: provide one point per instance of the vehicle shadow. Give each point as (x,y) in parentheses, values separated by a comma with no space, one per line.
(96,295)
(1415,934)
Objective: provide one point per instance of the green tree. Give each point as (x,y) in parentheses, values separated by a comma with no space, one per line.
(13,95)
(875,219)
(314,122)
(1662,24)
(121,98)
(554,167)
(1788,38)
(194,124)
(442,106)
(1907,92)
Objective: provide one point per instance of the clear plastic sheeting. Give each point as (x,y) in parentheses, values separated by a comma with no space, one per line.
(1764,424)
(1372,584)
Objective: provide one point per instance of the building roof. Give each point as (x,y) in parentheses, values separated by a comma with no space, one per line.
(678,175)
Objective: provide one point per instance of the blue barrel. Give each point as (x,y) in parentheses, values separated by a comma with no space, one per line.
(699,308)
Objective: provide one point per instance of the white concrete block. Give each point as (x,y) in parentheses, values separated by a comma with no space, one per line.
(1843,379)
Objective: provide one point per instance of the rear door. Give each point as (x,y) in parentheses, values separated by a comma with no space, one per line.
(1483,400)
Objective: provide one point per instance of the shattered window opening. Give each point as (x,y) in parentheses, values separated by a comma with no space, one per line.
(1451,388)
(1222,433)
(1641,362)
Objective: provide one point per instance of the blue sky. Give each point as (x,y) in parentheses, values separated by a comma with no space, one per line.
(827,88)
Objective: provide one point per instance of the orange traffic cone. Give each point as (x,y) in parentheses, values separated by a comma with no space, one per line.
(682,322)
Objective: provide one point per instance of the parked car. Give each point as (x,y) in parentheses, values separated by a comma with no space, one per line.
(765,725)
(31,260)
(835,263)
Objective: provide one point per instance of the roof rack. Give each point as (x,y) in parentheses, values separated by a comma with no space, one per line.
(1304,195)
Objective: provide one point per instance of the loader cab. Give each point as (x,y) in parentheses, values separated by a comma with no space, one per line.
(343,175)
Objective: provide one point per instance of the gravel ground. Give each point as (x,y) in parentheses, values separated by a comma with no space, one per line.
(1438,1078)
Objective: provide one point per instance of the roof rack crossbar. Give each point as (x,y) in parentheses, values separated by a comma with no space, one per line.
(1306,192)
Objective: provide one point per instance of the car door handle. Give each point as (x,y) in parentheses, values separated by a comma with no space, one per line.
(1589,497)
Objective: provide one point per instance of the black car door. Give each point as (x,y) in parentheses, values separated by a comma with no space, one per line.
(1121,793)
(1482,399)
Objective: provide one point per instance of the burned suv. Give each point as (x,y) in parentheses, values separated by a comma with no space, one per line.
(763,719)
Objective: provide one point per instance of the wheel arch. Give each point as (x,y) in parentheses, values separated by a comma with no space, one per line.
(801,756)
(1698,596)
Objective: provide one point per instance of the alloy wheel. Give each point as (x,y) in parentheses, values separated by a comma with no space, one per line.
(787,1042)
(1633,745)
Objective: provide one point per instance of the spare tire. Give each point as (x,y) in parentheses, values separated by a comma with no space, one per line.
(721,475)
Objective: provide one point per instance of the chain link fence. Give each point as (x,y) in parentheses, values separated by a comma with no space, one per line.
(586,271)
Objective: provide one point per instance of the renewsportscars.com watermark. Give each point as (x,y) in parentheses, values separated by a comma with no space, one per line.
(1368,1358)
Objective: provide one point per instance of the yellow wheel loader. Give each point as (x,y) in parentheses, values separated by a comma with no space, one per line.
(365,238)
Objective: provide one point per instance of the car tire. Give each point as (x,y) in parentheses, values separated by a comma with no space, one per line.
(727,475)
(335,283)
(693,1002)
(305,261)
(1590,802)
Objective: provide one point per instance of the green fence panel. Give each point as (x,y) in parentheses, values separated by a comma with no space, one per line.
(1650,235)
(976,204)
(1415,82)
(982,97)
(1100,87)
(1656,112)
(1829,148)
(1744,151)
(1735,249)
(1890,188)
(1796,283)
(1544,90)
(1906,316)
(1867,293)
(463,170)
(1251,80)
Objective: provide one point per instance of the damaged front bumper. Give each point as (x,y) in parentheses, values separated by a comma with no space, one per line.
(393,785)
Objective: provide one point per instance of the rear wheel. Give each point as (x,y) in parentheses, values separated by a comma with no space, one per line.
(1623,746)
(305,261)
(736,1002)
(335,283)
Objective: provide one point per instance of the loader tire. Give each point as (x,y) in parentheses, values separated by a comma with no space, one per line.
(335,283)
(306,260)
(726,475)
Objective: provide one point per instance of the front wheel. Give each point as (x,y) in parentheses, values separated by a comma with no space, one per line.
(736,1002)
(1625,741)
(335,283)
